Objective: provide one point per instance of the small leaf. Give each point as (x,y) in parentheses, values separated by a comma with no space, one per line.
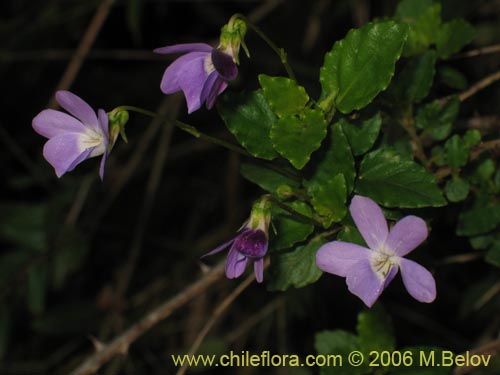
(457,189)
(437,120)
(290,230)
(415,80)
(424,19)
(453,36)
(482,217)
(295,138)
(249,118)
(493,255)
(284,95)
(453,78)
(357,68)
(375,330)
(362,137)
(337,159)
(329,199)
(393,182)
(297,268)
(457,152)
(267,179)
(472,137)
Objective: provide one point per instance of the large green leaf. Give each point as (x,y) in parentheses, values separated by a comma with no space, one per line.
(375,330)
(249,118)
(296,137)
(453,36)
(284,95)
(424,19)
(297,268)
(362,64)
(337,159)
(394,182)
(362,136)
(290,230)
(266,178)
(415,80)
(329,199)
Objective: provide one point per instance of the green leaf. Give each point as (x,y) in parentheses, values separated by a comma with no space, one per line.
(249,118)
(485,170)
(415,80)
(493,255)
(472,137)
(482,217)
(362,137)
(339,343)
(37,287)
(357,68)
(424,19)
(267,179)
(337,159)
(437,119)
(457,152)
(394,182)
(350,233)
(453,78)
(295,138)
(297,268)
(329,199)
(375,330)
(284,95)
(453,36)
(290,230)
(457,189)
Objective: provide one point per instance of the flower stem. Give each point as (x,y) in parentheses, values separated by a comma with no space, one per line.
(293,212)
(279,51)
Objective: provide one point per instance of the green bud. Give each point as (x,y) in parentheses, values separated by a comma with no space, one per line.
(260,216)
(117,121)
(232,36)
(284,191)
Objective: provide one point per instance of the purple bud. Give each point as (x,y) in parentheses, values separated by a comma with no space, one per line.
(252,243)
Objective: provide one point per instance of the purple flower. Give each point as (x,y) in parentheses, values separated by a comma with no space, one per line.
(249,245)
(73,139)
(369,271)
(202,73)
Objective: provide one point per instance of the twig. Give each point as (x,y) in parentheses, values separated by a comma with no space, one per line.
(478,52)
(83,48)
(486,297)
(485,82)
(408,124)
(122,342)
(215,317)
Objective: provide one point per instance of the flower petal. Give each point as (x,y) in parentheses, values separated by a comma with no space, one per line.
(192,78)
(364,283)
(235,264)
(103,121)
(209,86)
(338,257)
(406,235)
(64,152)
(224,65)
(219,86)
(370,221)
(258,268)
(170,80)
(77,107)
(50,123)
(418,281)
(184,48)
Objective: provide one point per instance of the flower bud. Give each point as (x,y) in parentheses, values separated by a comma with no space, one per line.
(117,120)
(232,37)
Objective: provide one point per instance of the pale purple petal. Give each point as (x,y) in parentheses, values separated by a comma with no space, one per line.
(64,152)
(209,86)
(338,257)
(50,123)
(224,65)
(418,281)
(103,163)
(370,221)
(218,87)
(219,248)
(192,78)
(406,235)
(170,81)
(83,156)
(364,283)
(184,48)
(235,264)
(103,120)
(258,268)
(77,107)
(390,276)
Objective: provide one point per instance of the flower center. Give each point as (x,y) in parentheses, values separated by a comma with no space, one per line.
(252,243)
(382,263)
(93,139)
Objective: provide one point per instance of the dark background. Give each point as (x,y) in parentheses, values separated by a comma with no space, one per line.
(80,258)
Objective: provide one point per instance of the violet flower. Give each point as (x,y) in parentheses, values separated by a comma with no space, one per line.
(202,73)
(73,139)
(249,245)
(369,271)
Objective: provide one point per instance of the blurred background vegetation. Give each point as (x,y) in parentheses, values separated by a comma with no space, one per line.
(81,260)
